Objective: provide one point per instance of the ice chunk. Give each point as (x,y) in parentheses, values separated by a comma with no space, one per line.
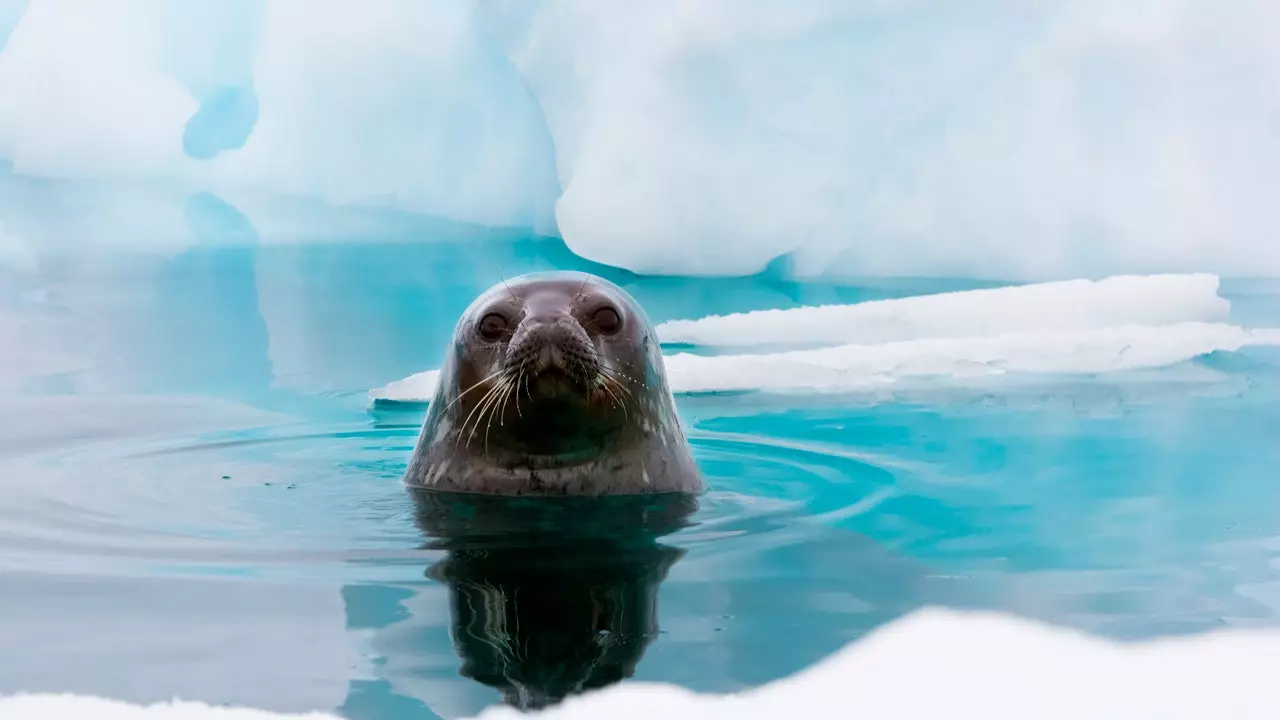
(993,666)
(1076,327)
(855,367)
(1066,306)
(418,387)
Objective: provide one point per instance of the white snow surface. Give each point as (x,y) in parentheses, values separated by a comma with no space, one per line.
(933,663)
(1062,328)
(989,138)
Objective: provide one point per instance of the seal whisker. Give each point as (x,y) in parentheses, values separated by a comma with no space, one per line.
(492,392)
(617,401)
(491,401)
(510,384)
(519,379)
(495,409)
(477,384)
(612,376)
(509,290)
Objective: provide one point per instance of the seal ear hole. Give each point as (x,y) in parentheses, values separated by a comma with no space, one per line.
(606,320)
(492,327)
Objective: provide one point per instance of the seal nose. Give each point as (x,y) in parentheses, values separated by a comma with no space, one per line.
(551,342)
(549,355)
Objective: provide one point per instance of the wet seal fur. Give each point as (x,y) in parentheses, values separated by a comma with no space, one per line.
(553,384)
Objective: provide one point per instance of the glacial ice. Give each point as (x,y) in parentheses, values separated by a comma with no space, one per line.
(929,664)
(1060,328)
(995,139)
(403,104)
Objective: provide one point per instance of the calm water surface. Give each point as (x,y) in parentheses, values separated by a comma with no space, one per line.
(197,500)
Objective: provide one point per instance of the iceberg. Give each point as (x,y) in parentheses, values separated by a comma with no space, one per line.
(924,665)
(990,139)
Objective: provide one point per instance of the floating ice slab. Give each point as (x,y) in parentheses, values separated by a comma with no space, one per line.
(1072,305)
(934,663)
(1076,327)
(954,360)
(852,367)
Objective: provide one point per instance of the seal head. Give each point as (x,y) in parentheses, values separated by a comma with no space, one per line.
(553,384)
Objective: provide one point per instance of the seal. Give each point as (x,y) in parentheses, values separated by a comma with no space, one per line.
(553,384)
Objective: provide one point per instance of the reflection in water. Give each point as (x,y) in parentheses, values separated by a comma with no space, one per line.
(550,597)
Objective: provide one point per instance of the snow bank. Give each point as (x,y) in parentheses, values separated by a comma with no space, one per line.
(934,663)
(1072,305)
(981,139)
(1063,328)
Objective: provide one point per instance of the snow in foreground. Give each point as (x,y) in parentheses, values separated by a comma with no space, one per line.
(1064,328)
(935,663)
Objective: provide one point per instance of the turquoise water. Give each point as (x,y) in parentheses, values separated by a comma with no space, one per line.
(197,499)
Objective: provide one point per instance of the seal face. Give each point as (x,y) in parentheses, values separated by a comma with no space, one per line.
(553,384)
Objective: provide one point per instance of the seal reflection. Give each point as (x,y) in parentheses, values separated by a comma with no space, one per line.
(551,596)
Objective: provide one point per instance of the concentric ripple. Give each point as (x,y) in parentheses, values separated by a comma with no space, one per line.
(304,500)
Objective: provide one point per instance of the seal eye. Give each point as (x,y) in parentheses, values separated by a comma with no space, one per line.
(492,327)
(606,320)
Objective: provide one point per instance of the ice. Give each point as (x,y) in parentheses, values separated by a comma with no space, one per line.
(950,360)
(994,139)
(933,663)
(1067,328)
(855,367)
(1063,306)
(987,138)
(10,12)
(403,104)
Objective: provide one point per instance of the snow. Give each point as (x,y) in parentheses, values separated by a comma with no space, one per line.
(1063,328)
(1075,138)
(930,664)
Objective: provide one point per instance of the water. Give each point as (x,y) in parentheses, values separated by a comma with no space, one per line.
(197,499)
